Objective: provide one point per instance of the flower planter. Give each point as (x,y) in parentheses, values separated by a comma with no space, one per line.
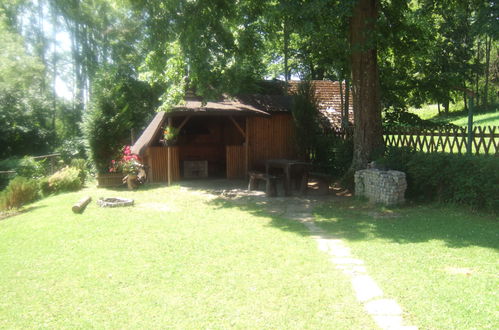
(110,180)
(131,181)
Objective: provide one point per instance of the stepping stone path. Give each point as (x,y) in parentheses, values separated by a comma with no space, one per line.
(386,312)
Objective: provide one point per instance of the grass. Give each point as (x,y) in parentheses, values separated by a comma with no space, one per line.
(457,116)
(439,263)
(175,260)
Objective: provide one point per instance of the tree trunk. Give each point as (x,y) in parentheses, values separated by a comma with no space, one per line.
(41,45)
(368,134)
(465,100)
(286,49)
(446,106)
(477,76)
(54,67)
(346,106)
(488,46)
(342,100)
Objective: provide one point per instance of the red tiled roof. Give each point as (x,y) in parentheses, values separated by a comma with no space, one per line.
(328,98)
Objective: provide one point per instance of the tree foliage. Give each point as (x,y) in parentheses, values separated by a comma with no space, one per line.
(426,51)
(24,128)
(121,104)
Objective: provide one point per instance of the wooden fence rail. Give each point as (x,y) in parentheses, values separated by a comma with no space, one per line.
(451,140)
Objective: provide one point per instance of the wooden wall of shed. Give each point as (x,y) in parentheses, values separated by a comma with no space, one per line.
(157,160)
(236,162)
(270,138)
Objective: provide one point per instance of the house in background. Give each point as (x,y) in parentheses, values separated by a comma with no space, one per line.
(229,137)
(330,98)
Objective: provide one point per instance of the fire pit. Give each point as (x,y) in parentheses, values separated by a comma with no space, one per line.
(114,202)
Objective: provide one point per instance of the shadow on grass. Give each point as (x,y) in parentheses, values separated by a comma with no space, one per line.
(353,220)
(492,118)
(265,209)
(453,115)
(144,187)
(10,214)
(350,219)
(233,194)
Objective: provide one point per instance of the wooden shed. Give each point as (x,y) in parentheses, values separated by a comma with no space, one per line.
(222,139)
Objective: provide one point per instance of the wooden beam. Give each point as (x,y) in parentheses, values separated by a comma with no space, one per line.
(237,126)
(169,166)
(246,143)
(186,119)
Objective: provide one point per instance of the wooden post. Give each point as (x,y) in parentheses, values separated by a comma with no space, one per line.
(52,165)
(470,128)
(169,164)
(246,145)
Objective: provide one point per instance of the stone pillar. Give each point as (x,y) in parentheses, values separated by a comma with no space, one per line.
(384,187)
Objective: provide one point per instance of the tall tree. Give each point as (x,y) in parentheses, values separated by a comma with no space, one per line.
(368,135)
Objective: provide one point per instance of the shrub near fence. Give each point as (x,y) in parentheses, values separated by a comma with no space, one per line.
(459,179)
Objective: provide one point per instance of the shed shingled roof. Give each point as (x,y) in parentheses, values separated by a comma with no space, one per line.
(225,107)
(140,146)
(243,105)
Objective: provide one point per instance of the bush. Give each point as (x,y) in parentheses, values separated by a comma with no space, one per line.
(67,179)
(43,183)
(119,103)
(395,158)
(72,148)
(81,165)
(8,164)
(28,167)
(306,120)
(20,191)
(333,155)
(468,180)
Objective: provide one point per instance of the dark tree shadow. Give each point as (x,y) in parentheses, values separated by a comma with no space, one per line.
(7,215)
(351,219)
(354,220)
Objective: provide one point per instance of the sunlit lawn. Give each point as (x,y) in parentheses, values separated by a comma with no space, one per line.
(457,116)
(439,263)
(175,260)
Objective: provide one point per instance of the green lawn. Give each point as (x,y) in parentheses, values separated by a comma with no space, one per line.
(174,260)
(457,116)
(180,259)
(440,263)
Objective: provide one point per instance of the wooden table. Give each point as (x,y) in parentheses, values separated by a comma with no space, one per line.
(289,166)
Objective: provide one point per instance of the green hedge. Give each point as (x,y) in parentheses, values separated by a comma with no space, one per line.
(468,180)
(20,191)
(66,179)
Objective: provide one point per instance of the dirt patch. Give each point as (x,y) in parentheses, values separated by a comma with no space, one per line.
(5,215)
(459,271)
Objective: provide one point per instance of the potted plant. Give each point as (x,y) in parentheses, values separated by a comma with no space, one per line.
(170,135)
(129,165)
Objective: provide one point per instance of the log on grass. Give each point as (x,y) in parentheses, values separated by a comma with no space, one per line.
(82,203)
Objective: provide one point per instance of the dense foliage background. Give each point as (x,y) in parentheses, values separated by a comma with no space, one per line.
(120,60)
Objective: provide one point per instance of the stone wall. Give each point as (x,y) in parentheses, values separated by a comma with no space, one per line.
(384,187)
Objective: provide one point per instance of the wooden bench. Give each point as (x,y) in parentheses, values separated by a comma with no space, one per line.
(323,180)
(270,182)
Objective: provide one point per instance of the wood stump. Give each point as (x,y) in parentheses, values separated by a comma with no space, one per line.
(81,205)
